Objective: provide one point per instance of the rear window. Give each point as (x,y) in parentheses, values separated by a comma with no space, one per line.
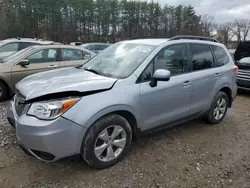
(221,55)
(27,44)
(10,47)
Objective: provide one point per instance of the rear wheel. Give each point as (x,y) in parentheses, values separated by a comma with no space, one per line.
(107,141)
(218,108)
(3,92)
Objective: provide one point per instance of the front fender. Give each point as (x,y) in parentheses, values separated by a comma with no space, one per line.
(108,110)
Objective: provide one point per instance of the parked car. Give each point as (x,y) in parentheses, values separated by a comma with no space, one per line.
(242,59)
(75,43)
(10,46)
(132,87)
(95,47)
(37,59)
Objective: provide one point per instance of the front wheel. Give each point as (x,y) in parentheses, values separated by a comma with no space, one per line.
(107,141)
(3,92)
(218,108)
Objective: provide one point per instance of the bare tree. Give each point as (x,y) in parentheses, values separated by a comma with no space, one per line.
(207,23)
(225,32)
(241,29)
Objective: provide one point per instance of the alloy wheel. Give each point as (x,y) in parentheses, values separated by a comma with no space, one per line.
(110,143)
(220,108)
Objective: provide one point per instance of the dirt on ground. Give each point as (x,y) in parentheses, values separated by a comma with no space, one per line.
(191,155)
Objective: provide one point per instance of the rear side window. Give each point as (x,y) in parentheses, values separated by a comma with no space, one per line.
(11,47)
(221,55)
(202,57)
(73,54)
(27,44)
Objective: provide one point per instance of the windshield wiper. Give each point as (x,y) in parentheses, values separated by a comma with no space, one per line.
(94,71)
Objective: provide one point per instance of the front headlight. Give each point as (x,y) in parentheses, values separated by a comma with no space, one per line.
(48,110)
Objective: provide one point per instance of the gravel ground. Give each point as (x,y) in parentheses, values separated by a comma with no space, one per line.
(192,155)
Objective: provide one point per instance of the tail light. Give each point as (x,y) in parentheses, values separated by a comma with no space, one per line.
(235,68)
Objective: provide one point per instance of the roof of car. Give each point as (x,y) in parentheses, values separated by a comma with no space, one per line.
(30,40)
(61,46)
(95,43)
(159,41)
(148,41)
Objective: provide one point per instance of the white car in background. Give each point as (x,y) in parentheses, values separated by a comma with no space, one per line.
(12,45)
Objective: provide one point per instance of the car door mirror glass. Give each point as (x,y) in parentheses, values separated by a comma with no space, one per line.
(160,75)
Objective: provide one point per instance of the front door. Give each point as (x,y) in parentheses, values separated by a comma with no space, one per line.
(39,61)
(169,100)
(73,57)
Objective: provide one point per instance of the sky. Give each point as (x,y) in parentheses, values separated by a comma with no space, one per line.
(222,10)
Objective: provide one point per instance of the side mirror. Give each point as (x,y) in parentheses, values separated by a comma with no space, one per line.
(86,57)
(24,62)
(160,75)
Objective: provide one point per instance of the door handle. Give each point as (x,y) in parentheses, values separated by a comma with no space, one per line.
(217,74)
(186,83)
(52,66)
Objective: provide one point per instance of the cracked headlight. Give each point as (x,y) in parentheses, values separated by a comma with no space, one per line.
(48,110)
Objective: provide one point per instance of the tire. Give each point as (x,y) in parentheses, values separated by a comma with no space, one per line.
(95,137)
(3,92)
(211,116)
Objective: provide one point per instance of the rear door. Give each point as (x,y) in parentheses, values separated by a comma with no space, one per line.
(72,57)
(42,60)
(203,77)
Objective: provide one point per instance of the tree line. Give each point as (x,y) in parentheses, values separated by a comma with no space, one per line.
(95,20)
(108,20)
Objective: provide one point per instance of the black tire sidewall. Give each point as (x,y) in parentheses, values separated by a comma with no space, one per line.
(4,92)
(211,118)
(87,150)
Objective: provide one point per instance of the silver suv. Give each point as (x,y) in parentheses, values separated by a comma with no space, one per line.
(130,88)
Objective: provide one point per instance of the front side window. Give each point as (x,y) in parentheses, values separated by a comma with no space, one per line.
(221,55)
(11,47)
(202,57)
(43,56)
(73,55)
(171,58)
(119,60)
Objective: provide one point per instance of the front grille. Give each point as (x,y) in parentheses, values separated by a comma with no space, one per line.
(244,74)
(19,103)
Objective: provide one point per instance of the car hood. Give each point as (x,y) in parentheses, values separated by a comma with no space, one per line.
(61,81)
(243,50)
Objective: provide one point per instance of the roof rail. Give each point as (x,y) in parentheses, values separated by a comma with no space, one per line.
(193,38)
(151,37)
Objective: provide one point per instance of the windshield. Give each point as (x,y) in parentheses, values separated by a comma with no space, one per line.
(14,55)
(245,60)
(119,60)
